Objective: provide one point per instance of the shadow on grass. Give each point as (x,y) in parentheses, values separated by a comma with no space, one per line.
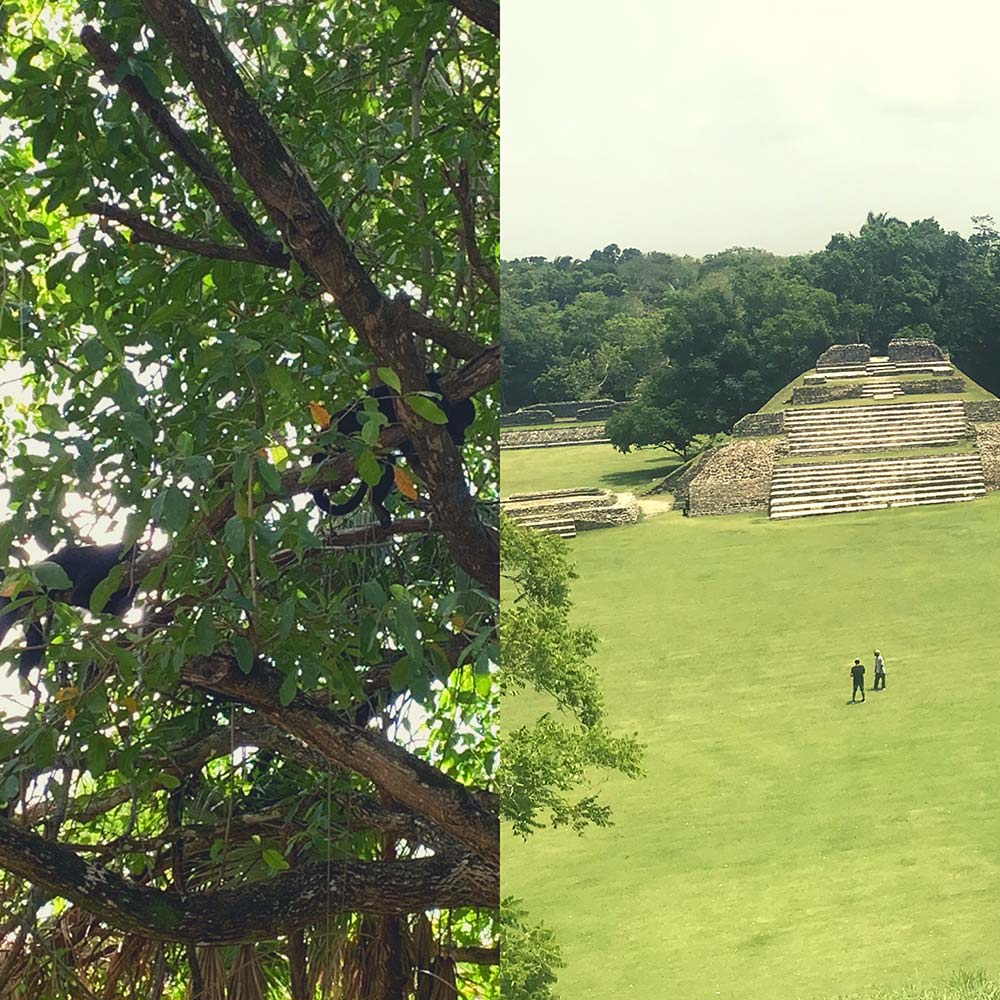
(641,477)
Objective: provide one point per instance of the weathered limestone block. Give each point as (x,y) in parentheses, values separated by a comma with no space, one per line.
(845,354)
(906,349)
(988,442)
(760,424)
(814,380)
(733,478)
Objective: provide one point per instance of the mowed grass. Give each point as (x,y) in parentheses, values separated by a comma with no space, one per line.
(527,470)
(785,845)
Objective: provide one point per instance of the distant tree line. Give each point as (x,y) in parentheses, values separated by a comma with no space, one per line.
(693,344)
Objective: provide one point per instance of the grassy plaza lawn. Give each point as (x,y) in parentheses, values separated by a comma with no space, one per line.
(526,470)
(785,844)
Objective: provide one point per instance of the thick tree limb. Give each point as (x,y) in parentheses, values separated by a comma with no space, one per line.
(254,912)
(146,232)
(485,13)
(315,239)
(266,250)
(474,956)
(411,781)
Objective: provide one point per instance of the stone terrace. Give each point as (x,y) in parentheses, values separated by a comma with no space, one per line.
(875,427)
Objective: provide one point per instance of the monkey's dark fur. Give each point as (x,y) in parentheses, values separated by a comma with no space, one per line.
(86,566)
(460,416)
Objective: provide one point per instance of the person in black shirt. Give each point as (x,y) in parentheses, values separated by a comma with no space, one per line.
(858,676)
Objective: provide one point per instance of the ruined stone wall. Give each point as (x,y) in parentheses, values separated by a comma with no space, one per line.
(986,411)
(988,442)
(906,349)
(824,393)
(845,354)
(552,437)
(526,418)
(597,412)
(568,407)
(733,478)
(921,385)
(760,424)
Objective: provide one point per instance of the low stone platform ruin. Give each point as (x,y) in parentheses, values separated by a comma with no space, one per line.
(565,512)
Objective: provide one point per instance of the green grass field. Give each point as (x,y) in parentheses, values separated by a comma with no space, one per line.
(530,469)
(785,845)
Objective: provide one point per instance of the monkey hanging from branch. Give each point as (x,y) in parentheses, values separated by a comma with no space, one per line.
(377,407)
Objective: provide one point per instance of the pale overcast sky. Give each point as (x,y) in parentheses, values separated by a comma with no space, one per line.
(692,127)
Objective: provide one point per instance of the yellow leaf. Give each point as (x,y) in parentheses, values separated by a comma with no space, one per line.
(262,453)
(404,483)
(130,703)
(457,622)
(70,712)
(66,694)
(320,415)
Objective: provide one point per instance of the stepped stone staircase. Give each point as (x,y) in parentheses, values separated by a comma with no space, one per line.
(882,388)
(875,427)
(565,512)
(883,366)
(840,487)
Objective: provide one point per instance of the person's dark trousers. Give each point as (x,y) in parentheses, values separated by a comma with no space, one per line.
(879,677)
(858,686)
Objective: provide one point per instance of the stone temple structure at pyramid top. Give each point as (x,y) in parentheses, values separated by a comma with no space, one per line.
(857,433)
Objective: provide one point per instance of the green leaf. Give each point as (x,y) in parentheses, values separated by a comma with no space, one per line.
(52,576)
(399,676)
(426,408)
(370,432)
(137,427)
(98,750)
(234,535)
(369,468)
(129,664)
(244,653)
(205,634)
(390,378)
(269,475)
(372,175)
(168,781)
(185,444)
(286,695)
(176,509)
(274,860)
(52,417)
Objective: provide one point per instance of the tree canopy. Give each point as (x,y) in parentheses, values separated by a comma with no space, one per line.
(218,227)
(693,345)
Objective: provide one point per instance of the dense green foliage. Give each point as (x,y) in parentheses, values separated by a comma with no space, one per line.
(157,388)
(695,344)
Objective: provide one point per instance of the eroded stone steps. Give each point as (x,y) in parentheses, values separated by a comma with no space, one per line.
(885,389)
(839,487)
(564,529)
(879,504)
(874,428)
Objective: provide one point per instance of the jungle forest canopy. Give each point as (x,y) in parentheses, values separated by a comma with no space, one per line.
(218,226)
(695,344)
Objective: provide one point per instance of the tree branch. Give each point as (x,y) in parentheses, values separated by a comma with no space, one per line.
(463,194)
(146,232)
(485,13)
(267,251)
(315,239)
(255,912)
(412,782)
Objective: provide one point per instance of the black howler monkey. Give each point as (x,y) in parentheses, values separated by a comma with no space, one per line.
(460,416)
(86,566)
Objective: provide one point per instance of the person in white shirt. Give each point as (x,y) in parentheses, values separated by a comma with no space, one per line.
(879,672)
